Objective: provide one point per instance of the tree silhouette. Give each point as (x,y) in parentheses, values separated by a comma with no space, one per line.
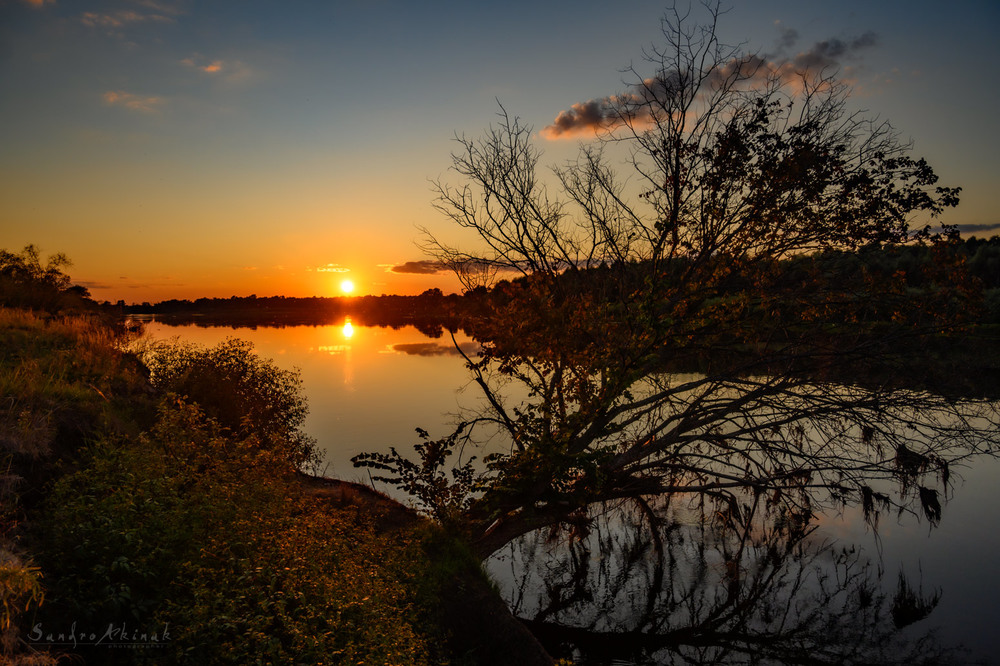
(25,282)
(668,329)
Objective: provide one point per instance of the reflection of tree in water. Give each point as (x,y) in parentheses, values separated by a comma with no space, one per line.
(682,582)
(686,324)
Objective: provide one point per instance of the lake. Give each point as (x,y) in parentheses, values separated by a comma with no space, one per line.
(369,388)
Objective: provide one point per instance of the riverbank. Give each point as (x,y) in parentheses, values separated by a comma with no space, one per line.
(480,627)
(128,506)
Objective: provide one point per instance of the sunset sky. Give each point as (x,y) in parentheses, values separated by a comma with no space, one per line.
(183,149)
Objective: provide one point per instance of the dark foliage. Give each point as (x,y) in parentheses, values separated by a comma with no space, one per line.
(244,393)
(26,283)
(735,218)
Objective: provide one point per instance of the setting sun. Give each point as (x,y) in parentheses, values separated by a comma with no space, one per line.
(347,286)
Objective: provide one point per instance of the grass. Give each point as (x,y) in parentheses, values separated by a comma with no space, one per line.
(61,377)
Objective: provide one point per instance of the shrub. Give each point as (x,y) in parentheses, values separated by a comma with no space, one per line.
(244,393)
(191,526)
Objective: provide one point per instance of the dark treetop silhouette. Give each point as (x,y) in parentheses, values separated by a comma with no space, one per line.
(667,250)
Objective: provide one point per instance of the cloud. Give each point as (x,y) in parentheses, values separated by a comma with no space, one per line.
(829,53)
(90,284)
(39,3)
(231,70)
(115,23)
(122,18)
(787,37)
(584,118)
(634,106)
(160,7)
(147,104)
(330,268)
(424,267)
(196,61)
(168,281)
(979,229)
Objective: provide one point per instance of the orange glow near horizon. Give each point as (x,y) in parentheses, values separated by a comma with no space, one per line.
(133,285)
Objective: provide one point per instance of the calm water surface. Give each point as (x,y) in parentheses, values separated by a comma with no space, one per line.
(369,388)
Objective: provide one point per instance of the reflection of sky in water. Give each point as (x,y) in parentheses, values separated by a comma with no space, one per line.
(370,387)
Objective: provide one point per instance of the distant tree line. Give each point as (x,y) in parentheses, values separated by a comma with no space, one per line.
(25,281)
(919,266)
(431,311)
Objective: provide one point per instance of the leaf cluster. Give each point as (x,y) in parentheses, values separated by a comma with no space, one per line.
(445,495)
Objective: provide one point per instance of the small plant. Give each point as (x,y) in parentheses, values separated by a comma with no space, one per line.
(426,480)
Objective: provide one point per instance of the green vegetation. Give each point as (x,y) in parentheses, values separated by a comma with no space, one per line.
(154,497)
(208,536)
(61,382)
(246,395)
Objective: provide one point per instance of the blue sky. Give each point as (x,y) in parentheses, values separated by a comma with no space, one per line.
(181,149)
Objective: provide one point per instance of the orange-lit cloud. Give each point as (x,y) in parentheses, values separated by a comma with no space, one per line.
(635,106)
(134,102)
(584,119)
(331,268)
(39,3)
(197,62)
(231,70)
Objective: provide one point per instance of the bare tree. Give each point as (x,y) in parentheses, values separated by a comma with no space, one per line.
(727,154)
(673,327)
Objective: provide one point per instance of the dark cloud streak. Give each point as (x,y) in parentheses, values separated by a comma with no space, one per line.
(972,229)
(424,267)
(829,53)
(604,113)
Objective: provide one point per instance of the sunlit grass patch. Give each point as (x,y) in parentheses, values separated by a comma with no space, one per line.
(60,374)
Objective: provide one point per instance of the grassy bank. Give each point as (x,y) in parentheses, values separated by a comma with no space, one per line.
(165,517)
